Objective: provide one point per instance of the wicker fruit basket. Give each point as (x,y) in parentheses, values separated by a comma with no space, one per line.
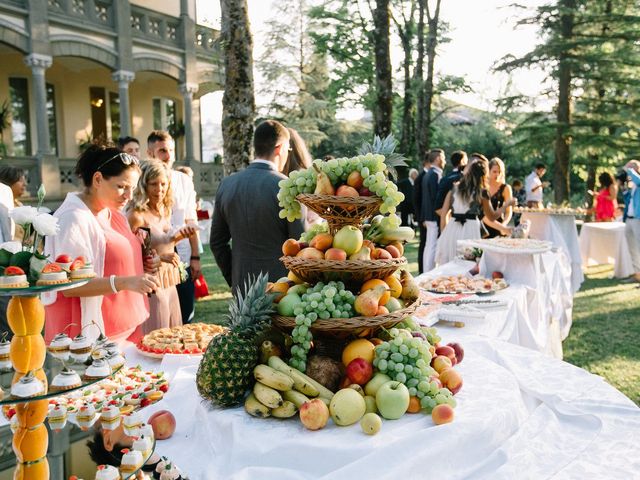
(313,271)
(341,211)
(344,327)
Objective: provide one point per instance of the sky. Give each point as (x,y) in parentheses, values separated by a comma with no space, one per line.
(482,31)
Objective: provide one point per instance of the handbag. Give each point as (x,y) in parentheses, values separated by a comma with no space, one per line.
(201,287)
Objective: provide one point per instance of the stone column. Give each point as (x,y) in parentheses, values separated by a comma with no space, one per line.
(38,64)
(188,90)
(124,78)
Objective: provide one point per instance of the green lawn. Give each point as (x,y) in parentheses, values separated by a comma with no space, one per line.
(604,339)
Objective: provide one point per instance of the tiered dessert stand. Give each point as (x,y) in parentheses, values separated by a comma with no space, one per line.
(340,212)
(26,318)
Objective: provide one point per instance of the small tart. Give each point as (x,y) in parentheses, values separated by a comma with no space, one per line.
(131,460)
(57,417)
(98,369)
(14,281)
(107,472)
(27,387)
(110,417)
(53,278)
(60,343)
(143,445)
(65,380)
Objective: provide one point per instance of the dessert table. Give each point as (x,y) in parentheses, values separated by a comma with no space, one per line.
(512,320)
(520,414)
(561,230)
(605,242)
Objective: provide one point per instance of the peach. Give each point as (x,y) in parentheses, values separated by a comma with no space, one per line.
(414,405)
(442,414)
(440,363)
(436,378)
(451,379)
(347,191)
(447,351)
(163,424)
(335,254)
(382,310)
(383,254)
(290,248)
(399,246)
(459,351)
(345,382)
(395,253)
(311,253)
(314,414)
(370,244)
(280,289)
(376,341)
(322,241)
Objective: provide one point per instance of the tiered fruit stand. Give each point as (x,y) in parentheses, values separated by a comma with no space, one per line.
(26,318)
(340,212)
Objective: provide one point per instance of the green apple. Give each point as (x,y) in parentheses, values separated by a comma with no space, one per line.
(347,407)
(288,303)
(375,383)
(349,239)
(299,289)
(392,400)
(371,423)
(370,402)
(393,304)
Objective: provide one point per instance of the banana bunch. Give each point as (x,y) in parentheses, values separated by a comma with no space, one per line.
(280,390)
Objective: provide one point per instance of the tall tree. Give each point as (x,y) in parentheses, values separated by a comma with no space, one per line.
(238,103)
(384,90)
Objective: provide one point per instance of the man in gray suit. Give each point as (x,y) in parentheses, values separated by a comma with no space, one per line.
(246,212)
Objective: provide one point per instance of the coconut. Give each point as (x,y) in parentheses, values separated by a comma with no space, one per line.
(325,370)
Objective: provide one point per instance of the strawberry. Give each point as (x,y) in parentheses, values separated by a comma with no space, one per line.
(51,268)
(76,265)
(164,388)
(9,271)
(145,402)
(157,350)
(64,258)
(10,413)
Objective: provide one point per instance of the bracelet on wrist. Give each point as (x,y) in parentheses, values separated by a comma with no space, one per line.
(195,257)
(112,283)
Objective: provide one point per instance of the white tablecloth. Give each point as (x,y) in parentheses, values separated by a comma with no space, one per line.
(525,320)
(561,231)
(520,415)
(605,242)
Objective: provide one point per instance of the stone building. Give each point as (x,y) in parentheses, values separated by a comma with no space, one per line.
(75,70)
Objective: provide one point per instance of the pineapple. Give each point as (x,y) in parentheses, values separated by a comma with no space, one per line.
(226,370)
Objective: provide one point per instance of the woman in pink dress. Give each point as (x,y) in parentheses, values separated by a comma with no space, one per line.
(606,200)
(92,226)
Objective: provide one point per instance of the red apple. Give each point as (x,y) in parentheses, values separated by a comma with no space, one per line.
(447,351)
(458,349)
(163,423)
(347,191)
(364,192)
(497,275)
(359,371)
(314,414)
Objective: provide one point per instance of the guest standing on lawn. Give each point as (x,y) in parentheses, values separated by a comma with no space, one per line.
(534,186)
(246,212)
(149,213)
(632,222)
(607,198)
(92,226)
(499,193)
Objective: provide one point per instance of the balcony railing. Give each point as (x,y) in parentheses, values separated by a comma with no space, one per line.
(92,11)
(155,26)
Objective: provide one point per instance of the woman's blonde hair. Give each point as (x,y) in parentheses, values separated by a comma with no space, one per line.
(496,161)
(151,170)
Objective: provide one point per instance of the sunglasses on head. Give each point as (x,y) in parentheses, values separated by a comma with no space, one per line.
(125,158)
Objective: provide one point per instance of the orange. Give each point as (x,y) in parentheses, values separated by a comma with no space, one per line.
(32,414)
(414,405)
(361,348)
(30,444)
(374,282)
(25,315)
(32,471)
(394,285)
(27,353)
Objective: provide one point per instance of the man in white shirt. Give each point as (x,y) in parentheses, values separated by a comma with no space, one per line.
(429,217)
(161,146)
(534,186)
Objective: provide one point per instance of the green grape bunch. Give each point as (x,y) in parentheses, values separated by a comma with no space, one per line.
(407,359)
(331,300)
(371,167)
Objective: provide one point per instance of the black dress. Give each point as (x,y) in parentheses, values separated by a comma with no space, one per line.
(497,200)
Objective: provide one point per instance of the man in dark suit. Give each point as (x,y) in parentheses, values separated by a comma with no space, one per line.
(246,212)
(458,161)
(429,218)
(406,206)
(417,207)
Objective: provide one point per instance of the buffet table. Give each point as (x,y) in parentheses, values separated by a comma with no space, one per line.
(520,414)
(518,320)
(560,229)
(605,242)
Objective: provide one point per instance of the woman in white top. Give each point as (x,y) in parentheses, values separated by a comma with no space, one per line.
(468,201)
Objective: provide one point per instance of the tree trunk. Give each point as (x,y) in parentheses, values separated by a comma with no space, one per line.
(384,90)
(238,103)
(406,33)
(419,80)
(432,42)
(563,113)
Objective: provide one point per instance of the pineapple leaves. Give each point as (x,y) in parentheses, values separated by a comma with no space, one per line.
(385,146)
